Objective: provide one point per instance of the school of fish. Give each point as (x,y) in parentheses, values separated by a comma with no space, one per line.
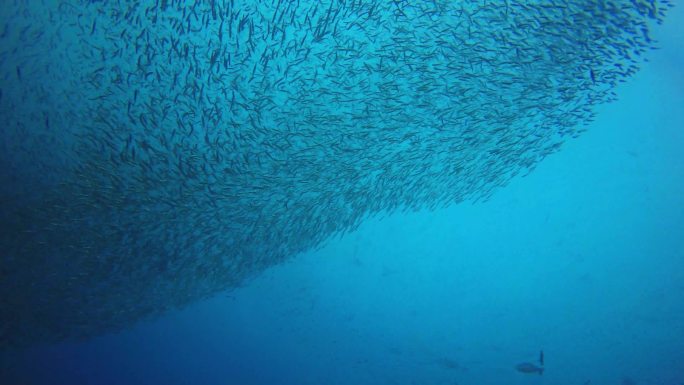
(154,153)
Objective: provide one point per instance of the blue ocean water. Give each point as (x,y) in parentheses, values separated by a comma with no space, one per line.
(583,258)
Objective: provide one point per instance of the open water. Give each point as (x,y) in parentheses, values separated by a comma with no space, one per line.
(342,192)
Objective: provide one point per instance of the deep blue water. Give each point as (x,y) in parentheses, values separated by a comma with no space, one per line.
(583,258)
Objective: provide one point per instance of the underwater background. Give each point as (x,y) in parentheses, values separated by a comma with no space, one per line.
(581,257)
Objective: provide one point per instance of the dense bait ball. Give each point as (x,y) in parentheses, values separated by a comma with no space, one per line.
(157,152)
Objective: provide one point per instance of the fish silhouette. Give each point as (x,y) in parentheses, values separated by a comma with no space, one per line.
(528,367)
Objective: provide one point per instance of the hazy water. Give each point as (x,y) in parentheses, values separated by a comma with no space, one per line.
(583,258)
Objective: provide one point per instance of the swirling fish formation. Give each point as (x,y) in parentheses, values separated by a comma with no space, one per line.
(157,152)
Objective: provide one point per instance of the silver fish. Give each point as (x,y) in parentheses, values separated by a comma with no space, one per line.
(527,367)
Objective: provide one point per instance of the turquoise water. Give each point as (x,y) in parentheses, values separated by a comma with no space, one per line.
(581,258)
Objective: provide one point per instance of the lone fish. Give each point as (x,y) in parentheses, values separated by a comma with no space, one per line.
(527,367)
